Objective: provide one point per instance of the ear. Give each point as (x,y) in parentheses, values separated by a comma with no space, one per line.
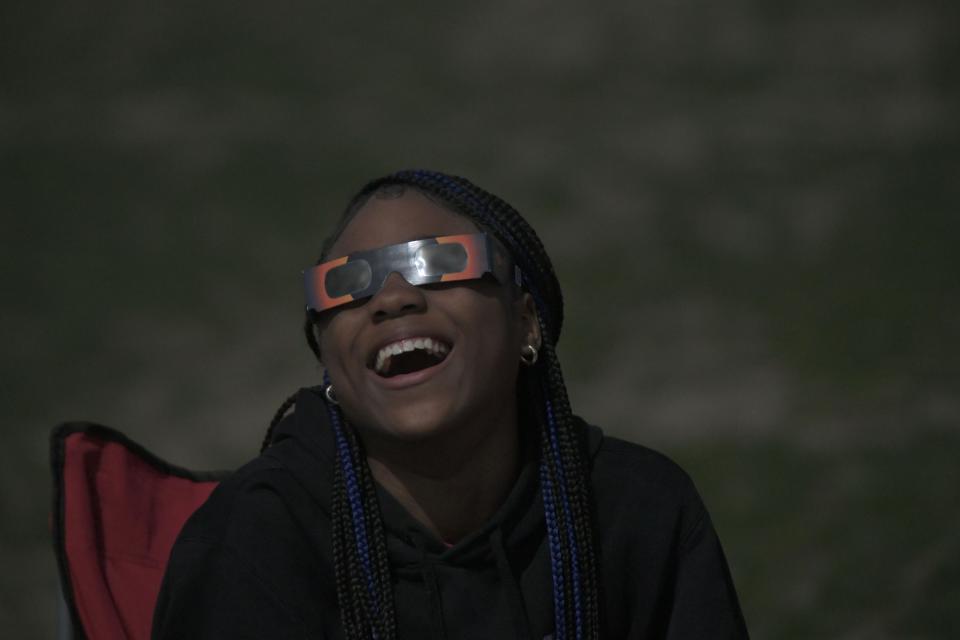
(529,320)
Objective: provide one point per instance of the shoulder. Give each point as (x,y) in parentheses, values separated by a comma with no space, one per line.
(228,571)
(660,553)
(641,490)
(246,487)
(629,467)
(257,500)
(258,542)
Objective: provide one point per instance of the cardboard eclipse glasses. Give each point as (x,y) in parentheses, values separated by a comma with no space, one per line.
(431,260)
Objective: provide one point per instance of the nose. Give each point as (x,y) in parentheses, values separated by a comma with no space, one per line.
(397,297)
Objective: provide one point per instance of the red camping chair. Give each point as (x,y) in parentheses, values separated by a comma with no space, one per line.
(117,511)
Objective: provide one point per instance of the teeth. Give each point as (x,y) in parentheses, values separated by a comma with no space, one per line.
(382,362)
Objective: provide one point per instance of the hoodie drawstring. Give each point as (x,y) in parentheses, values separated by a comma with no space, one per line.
(432,584)
(521,624)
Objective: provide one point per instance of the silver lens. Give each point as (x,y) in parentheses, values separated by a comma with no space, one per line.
(350,277)
(438,259)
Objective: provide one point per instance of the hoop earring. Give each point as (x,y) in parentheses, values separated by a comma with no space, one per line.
(529,355)
(328,391)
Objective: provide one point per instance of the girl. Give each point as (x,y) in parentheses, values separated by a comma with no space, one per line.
(437,484)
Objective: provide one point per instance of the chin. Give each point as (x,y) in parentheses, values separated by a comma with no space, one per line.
(414,422)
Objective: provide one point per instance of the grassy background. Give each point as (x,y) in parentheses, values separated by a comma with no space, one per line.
(751,205)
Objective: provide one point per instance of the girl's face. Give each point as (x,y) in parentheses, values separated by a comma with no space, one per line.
(478,328)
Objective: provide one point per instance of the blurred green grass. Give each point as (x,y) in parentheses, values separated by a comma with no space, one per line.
(752,208)
(845,541)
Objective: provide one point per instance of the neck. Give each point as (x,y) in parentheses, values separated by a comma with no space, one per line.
(452,482)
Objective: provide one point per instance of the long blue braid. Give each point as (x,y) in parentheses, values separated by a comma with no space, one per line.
(347,467)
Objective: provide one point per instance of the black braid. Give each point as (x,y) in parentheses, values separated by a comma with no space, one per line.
(385,623)
(573,451)
(364,591)
(344,557)
(277,417)
(372,620)
(564,565)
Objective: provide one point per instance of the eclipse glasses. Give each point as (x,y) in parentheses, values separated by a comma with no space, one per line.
(431,260)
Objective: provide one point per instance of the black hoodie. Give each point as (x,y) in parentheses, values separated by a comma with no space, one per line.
(256,560)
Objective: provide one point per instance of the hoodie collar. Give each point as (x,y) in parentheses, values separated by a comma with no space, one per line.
(519,519)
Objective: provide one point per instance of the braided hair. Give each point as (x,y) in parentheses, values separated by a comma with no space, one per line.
(360,558)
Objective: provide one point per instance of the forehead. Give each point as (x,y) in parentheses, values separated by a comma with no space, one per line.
(385,221)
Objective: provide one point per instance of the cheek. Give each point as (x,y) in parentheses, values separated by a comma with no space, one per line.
(336,361)
(497,336)
(335,345)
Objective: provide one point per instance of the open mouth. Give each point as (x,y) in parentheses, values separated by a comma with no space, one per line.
(409,356)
